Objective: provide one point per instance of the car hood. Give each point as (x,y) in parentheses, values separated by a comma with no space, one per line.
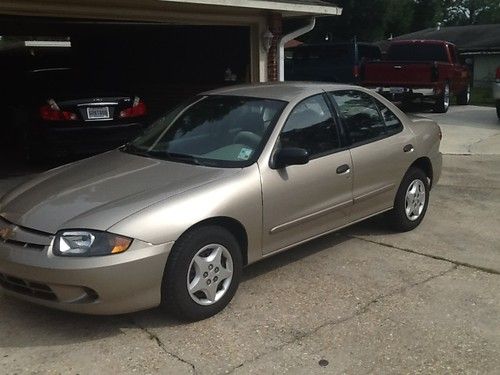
(97,193)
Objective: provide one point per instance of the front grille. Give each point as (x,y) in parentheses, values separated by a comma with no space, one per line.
(26,287)
(26,245)
(20,236)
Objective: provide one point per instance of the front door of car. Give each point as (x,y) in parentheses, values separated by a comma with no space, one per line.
(303,201)
(381,150)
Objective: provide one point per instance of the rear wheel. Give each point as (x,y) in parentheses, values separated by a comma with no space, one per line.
(202,274)
(443,101)
(464,97)
(411,201)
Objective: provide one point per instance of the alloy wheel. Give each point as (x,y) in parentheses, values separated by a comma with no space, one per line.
(415,200)
(210,274)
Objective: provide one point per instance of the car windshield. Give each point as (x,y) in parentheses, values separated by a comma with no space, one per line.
(218,131)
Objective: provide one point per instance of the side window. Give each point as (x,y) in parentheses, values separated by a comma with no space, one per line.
(311,126)
(360,115)
(392,122)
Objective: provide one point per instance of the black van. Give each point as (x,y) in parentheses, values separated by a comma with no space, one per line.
(328,62)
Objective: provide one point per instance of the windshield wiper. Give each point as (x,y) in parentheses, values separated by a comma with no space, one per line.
(131,149)
(164,155)
(181,157)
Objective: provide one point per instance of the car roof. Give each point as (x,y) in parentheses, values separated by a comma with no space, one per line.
(286,91)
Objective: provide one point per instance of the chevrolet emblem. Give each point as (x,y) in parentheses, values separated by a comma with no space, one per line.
(5,233)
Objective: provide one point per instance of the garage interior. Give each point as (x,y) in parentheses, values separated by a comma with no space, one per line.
(162,63)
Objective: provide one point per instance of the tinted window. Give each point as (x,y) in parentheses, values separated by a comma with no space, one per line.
(417,52)
(311,126)
(360,115)
(392,123)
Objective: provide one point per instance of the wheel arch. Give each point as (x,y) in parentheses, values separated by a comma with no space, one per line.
(424,164)
(232,225)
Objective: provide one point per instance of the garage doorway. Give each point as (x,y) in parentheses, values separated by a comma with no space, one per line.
(164,64)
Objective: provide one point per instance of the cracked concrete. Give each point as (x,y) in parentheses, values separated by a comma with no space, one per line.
(457,263)
(365,300)
(152,336)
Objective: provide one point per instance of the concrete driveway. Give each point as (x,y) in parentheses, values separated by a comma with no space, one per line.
(364,300)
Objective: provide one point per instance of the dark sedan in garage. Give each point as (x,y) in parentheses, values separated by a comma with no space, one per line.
(57,112)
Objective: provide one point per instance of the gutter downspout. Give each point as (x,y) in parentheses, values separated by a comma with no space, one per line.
(285,39)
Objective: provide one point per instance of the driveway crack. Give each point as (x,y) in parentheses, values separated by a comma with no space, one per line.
(359,311)
(469,148)
(437,257)
(161,345)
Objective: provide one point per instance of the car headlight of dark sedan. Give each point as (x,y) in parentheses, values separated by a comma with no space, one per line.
(86,243)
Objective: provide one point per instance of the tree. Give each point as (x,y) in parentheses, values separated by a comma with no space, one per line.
(372,20)
(427,13)
(471,12)
(369,20)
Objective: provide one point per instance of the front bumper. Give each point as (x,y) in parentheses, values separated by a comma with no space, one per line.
(108,285)
(407,93)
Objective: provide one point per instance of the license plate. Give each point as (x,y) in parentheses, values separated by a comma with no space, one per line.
(97,113)
(397,90)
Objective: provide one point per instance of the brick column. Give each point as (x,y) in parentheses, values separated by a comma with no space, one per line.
(276,27)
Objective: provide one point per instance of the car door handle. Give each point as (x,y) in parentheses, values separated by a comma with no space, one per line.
(408,148)
(343,169)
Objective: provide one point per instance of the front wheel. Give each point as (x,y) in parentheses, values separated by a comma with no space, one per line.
(411,201)
(443,101)
(202,274)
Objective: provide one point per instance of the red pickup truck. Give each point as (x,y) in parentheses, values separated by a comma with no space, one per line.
(428,69)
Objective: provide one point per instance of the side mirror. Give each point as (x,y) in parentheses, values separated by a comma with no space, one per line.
(290,156)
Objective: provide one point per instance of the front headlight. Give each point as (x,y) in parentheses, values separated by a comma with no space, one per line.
(87,243)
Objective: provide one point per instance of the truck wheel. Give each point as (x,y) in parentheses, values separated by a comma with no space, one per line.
(464,97)
(443,101)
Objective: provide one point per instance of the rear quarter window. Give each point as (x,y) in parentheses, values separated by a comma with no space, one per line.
(360,115)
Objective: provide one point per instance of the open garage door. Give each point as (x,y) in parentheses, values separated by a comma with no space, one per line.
(161,64)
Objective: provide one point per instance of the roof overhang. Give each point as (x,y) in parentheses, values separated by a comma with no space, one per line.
(287,8)
(176,11)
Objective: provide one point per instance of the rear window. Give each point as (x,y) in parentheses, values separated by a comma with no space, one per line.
(417,52)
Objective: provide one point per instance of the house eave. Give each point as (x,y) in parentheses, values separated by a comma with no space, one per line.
(287,9)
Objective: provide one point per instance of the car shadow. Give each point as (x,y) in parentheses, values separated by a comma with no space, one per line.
(27,325)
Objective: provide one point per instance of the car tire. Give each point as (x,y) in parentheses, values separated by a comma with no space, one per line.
(411,201)
(194,264)
(464,97)
(498,109)
(443,101)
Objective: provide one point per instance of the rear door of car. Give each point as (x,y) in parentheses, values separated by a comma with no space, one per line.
(381,150)
(303,201)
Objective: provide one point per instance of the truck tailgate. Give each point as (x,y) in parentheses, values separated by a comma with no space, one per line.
(394,73)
